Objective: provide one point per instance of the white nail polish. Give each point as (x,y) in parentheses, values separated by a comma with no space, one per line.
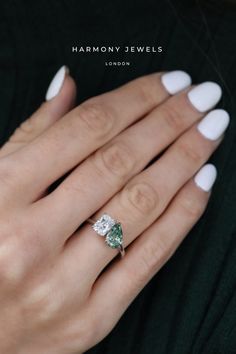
(205,178)
(214,124)
(205,96)
(56,83)
(176,81)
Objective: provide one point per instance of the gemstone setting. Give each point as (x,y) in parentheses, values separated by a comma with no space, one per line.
(114,237)
(103,225)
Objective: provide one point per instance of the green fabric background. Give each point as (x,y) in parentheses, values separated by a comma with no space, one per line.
(190,305)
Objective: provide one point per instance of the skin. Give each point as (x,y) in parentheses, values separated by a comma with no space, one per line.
(54,298)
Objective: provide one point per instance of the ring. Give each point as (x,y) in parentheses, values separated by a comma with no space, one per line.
(111,229)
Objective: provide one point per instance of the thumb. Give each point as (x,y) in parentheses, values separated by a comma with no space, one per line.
(60,98)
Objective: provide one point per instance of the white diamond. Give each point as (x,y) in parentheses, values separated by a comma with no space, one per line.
(104,224)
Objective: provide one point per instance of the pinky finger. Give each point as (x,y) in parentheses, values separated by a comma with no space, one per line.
(125,278)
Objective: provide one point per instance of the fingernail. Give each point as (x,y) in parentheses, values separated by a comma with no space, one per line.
(205,96)
(205,178)
(56,83)
(176,81)
(214,124)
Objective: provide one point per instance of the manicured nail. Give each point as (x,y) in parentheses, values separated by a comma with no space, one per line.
(56,83)
(205,178)
(205,96)
(176,81)
(214,124)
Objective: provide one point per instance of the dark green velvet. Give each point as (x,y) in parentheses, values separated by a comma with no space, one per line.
(190,306)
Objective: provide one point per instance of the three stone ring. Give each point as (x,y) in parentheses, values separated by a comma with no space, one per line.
(109,228)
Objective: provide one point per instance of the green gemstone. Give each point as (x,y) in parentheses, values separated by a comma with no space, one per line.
(114,238)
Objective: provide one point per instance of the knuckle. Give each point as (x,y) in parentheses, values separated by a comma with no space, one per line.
(89,330)
(172,117)
(148,262)
(153,256)
(26,128)
(191,207)
(97,118)
(187,151)
(37,303)
(147,90)
(142,197)
(17,254)
(117,160)
(71,189)
(11,265)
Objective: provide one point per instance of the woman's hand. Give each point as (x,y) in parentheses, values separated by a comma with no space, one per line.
(54,297)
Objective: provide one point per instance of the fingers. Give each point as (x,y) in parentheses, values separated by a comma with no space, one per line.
(115,163)
(83,130)
(126,278)
(48,113)
(147,195)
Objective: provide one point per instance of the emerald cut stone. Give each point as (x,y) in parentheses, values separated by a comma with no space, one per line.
(104,225)
(114,238)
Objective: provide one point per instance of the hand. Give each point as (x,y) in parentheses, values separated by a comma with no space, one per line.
(62,287)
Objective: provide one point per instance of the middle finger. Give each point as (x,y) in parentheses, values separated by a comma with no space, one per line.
(32,169)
